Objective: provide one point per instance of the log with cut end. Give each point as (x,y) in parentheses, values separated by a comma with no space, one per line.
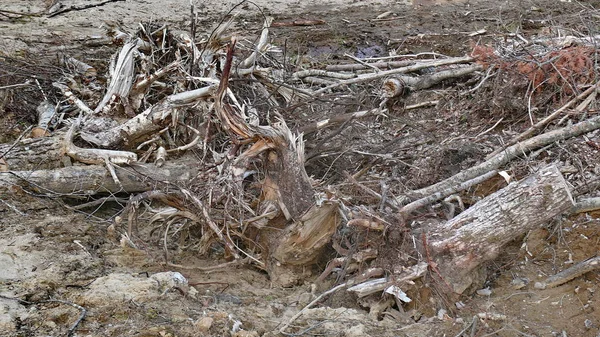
(463,245)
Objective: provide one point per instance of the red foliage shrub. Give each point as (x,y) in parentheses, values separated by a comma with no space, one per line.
(567,68)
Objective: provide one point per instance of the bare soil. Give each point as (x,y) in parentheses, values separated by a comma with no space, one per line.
(51,252)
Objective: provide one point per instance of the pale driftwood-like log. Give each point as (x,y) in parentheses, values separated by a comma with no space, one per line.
(510,153)
(463,245)
(146,123)
(570,273)
(395,86)
(94,156)
(407,69)
(94,179)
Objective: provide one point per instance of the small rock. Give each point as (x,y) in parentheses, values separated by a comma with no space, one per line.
(203,324)
(484,292)
(170,279)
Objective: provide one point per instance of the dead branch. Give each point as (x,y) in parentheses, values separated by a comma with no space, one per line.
(80,7)
(568,274)
(309,305)
(380,284)
(315,126)
(94,179)
(413,206)
(380,65)
(539,125)
(94,156)
(510,153)
(146,123)
(394,86)
(586,205)
(407,69)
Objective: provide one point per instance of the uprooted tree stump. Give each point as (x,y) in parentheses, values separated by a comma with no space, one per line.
(238,174)
(462,246)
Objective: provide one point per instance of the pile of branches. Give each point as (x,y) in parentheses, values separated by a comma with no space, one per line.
(197,125)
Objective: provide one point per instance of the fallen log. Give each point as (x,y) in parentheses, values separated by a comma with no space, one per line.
(461,247)
(33,153)
(95,179)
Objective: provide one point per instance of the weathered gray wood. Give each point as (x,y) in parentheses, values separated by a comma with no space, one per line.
(33,153)
(463,245)
(93,179)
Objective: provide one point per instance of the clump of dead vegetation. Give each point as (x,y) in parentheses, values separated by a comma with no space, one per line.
(193,128)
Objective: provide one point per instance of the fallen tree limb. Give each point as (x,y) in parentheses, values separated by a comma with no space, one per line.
(586,205)
(570,273)
(80,7)
(539,125)
(94,179)
(413,206)
(395,86)
(464,244)
(407,69)
(146,123)
(380,284)
(510,153)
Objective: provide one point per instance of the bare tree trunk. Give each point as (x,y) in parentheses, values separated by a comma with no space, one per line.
(461,246)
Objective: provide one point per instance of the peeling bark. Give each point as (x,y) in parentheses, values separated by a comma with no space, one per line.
(464,244)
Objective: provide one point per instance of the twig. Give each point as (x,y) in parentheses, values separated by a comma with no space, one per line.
(81,7)
(315,126)
(421,105)
(16,141)
(296,316)
(212,224)
(97,202)
(72,98)
(490,129)
(475,318)
(11,86)
(210,268)
(362,62)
